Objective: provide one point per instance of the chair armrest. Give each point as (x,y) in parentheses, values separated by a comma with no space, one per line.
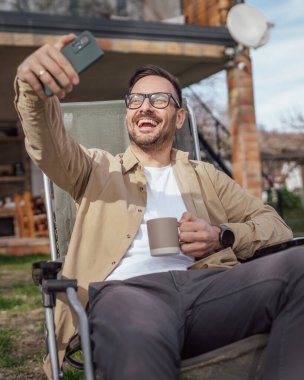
(45,270)
(277,248)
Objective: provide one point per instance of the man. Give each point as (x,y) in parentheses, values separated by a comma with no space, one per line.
(146,313)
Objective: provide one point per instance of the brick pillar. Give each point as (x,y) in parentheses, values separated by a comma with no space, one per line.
(206,12)
(246,163)
(224,6)
(195,11)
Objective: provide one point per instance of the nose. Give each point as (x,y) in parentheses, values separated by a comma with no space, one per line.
(146,105)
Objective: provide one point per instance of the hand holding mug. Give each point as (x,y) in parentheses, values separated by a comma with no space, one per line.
(198,237)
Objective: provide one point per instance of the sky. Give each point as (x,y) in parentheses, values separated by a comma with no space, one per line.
(278,66)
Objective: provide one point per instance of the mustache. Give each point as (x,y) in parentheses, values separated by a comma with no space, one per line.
(149,115)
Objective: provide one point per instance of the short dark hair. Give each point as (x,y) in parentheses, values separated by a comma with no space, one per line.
(147,70)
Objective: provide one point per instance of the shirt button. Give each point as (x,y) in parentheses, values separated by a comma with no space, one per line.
(141,189)
(128,236)
(139,210)
(113,262)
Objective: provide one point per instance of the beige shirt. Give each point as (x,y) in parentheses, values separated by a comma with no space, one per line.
(107,189)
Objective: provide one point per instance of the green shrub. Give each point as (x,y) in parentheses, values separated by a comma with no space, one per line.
(290,199)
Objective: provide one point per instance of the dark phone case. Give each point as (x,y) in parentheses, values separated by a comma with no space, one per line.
(81,53)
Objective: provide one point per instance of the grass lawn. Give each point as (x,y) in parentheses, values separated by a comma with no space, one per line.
(22,344)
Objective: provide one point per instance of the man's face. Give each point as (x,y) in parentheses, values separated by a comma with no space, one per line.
(151,128)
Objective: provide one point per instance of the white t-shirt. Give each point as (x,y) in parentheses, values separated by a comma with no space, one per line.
(163,200)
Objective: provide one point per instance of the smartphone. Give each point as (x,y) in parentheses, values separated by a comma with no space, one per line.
(81,53)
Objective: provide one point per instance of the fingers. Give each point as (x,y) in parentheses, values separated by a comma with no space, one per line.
(64,40)
(196,249)
(197,237)
(190,223)
(191,236)
(187,217)
(57,67)
(194,243)
(48,66)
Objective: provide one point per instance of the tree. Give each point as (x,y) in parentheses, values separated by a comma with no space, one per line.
(293,119)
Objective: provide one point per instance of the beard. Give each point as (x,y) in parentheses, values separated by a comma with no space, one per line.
(151,142)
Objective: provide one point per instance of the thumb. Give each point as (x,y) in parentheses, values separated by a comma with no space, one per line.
(187,217)
(64,40)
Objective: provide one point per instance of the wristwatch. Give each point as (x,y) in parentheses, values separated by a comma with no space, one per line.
(226,237)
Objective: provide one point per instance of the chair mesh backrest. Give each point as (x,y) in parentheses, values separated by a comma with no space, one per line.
(99,125)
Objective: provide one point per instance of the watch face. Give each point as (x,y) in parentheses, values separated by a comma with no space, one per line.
(227,237)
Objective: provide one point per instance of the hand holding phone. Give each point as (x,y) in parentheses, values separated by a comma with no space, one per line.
(81,53)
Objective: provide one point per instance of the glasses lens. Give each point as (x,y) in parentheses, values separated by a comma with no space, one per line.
(160,100)
(135,100)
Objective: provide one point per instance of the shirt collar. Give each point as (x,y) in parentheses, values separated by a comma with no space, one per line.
(129,160)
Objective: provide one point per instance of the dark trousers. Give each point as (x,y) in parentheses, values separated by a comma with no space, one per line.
(143,326)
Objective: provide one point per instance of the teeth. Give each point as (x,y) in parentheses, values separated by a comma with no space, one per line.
(147,121)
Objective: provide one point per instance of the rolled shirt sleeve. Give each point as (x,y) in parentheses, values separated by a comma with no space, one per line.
(254,224)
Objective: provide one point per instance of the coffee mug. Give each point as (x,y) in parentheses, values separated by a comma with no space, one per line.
(163,236)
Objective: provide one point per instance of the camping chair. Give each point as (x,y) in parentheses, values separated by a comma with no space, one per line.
(101,124)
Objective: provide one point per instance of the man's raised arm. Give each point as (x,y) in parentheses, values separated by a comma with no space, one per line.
(46,140)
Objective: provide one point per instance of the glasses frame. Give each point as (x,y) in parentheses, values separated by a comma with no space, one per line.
(170,96)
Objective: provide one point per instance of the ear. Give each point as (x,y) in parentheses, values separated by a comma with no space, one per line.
(180,118)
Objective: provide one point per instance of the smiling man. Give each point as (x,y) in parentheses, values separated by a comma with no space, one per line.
(146,313)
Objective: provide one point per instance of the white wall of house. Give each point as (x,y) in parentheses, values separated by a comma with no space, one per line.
(294,180)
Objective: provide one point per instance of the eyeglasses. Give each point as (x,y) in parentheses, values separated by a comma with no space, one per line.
(156,99)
